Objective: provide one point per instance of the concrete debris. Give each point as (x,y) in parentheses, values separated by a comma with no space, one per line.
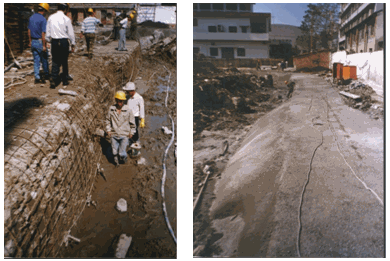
(350,95)
(63,106)
(198,250)
(166,130)
(62,91)
(123,246)
(9,248)
(34,194)
(13,69)
(141,161)
(121,205)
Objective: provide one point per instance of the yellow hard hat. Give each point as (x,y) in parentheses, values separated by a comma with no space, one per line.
(45,6)
(120,95)
(131,16)
(134,11)
(90,10)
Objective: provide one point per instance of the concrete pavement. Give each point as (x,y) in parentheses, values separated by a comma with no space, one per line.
(259,196)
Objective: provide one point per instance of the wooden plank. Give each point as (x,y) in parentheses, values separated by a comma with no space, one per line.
(350,95)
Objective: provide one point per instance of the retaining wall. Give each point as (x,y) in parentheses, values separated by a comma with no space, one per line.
(51,162)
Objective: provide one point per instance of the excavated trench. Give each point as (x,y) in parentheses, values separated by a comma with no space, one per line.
(61,187)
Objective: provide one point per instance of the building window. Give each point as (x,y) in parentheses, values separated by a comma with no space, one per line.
(213,51)
(205,6)
(196,50)
(232,29)
(195,7)
(212,29)
(218,7)
(195,21)
(231,7)
(245,7)
(241,52)
(245,29)
(221,28)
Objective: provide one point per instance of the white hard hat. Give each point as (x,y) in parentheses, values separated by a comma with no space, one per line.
(130,86)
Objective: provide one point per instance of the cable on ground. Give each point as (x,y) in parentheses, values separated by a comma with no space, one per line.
(303,191)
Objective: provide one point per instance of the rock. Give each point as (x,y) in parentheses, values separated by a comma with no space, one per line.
(141,161)
(198,250)
(123,246)
(13,69)
(63,106)
(166,130)
(9,248)
(121,205)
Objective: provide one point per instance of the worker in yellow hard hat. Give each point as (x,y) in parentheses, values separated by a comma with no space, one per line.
(133,26)
(88,29)
(37,42)
(120,126)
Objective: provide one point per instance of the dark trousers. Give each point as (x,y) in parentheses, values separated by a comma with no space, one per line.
(116,33)
(60,54)
(90,39)
(135,136)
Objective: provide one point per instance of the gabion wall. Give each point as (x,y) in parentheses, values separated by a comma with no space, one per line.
(48,174)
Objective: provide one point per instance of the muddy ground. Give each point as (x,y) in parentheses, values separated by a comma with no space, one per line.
(226,103)
(140,185)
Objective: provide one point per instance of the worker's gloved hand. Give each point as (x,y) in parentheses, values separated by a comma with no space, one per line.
(142,123)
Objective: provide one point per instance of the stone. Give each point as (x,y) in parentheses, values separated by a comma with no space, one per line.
(141,161)
(123,246)
(121,205)
(166,130)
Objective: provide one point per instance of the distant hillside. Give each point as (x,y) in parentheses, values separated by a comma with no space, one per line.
(285,29)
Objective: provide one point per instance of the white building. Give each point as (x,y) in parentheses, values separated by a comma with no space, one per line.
(361,27)
(231,31)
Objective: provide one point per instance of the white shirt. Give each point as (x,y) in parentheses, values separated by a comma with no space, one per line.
(136,104)
(123,23)
(59,26)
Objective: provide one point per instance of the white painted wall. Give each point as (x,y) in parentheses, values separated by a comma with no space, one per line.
(252,49)
(204,23)
(369,67)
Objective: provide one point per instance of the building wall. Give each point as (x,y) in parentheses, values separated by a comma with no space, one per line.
(252,49)
(369,66)
(204,23)
(313,60)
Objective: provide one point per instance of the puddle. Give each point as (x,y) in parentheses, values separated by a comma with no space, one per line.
(156,122)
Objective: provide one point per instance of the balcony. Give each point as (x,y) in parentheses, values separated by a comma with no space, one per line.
(354,14)
(231,36)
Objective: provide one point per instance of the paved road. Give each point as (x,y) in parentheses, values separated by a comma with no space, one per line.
(259,208)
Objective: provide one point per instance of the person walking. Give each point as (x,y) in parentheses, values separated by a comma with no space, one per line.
(59,31)
(37,42)
(88,29)
(290,86)
(136,103)
(120,127)
(122,32)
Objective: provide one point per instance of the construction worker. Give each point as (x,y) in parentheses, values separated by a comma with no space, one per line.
(59,31)
(136,103)
(120,127)
(37,42)
(88,29)
(290,86)
(122,32)
(133,26)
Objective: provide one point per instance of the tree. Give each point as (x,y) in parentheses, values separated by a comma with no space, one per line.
(329,21)
(311,24)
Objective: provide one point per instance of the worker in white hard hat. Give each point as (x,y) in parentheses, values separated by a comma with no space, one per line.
(120,127)
(136,104)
